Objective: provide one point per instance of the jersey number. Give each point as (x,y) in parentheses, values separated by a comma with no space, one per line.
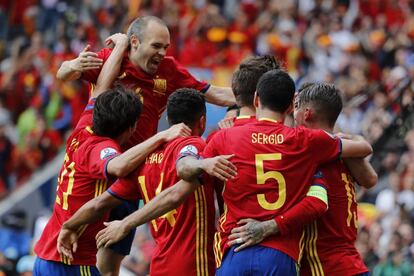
(169,216)
(263,176)
(70,170)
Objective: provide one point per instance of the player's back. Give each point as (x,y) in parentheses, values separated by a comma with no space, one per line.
(79,181)
(184,236)
(275,165)
(330,241)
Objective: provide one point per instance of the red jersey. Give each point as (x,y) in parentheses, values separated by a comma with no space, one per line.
(238,121)
(153,89)
(81,178)
(184,236)
(329,241)
(275,166)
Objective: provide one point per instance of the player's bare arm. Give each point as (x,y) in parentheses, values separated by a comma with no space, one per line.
(362,171)
(113,64)
(73,69)
(164,202)
(92,211)
(358,147)
(222,96)
(360,168)
(220,166)
(125,163)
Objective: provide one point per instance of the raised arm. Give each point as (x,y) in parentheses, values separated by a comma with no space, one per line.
(222,96)
(112,66)
(164,202)
(73,69)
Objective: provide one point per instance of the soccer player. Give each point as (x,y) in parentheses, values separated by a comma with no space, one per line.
(92,160)
(330,241)
(147,70)
(275,165)
(184,234)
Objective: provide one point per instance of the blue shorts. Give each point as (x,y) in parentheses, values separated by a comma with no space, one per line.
(257,260)
(123,247)
(51,268)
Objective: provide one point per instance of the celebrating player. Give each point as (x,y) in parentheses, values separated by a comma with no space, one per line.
(275,167)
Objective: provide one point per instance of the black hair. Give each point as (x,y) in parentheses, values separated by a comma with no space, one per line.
(185,105)
(115,111)
(139,26)
(276,90)
(245,78)
(325,99)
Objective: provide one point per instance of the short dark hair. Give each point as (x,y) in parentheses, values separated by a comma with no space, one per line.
(185,105)
(325,99)
(245,78)
(115,111)
(276,90)
(139,26)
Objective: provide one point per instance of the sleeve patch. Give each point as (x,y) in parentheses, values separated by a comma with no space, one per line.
(189,150)
(319,192)
(318,175)
(108,152)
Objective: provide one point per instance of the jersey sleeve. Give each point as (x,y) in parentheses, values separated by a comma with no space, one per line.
(92,75)
(308,209)
(126,188)
(183,78)
(324,147)
(98,158)
(190,147)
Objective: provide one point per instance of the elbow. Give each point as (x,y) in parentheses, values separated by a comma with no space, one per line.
(371,181)
(175,198)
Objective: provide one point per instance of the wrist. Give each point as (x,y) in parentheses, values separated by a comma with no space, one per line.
(270,227)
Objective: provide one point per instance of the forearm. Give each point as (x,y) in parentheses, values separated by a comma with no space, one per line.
(110,69)
(164,202)
(189,168)
(125,163)
(222,96)
(358,147)
(362,171)
(92,211)
(66,71)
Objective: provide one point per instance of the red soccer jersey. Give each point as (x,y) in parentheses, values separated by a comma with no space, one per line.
(81,178)
(184,236)
(275,166)
(238,121)
(329,241)
(153,89)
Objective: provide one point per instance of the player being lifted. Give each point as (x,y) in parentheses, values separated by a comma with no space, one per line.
(92,160)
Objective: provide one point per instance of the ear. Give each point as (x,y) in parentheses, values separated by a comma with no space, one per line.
(308,114)
(256,100)
(134,41)
(202,122)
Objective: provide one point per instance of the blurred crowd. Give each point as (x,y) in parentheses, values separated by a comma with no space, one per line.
(365,47)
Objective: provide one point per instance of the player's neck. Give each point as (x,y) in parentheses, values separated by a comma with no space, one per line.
(322,126)
(247,111)
(266,113)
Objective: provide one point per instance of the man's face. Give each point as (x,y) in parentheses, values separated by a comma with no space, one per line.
(152,48)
